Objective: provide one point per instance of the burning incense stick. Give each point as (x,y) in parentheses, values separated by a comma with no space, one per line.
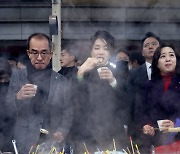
(52,149)
(30,149)
(124,151)
(86,148)
(128,150)
(114,144)
(131,145)
(138,152)
(37,149)
(126,130)
(98,149)
(14,145)
(63,150)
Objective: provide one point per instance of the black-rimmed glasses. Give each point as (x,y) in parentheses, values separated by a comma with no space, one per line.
(43,54)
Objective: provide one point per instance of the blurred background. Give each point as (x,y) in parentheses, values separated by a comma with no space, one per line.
(126,20)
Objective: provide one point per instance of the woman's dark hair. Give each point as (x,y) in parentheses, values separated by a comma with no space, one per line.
(123,50)
(106,36)
(156,74)
(39,36)
(5,67)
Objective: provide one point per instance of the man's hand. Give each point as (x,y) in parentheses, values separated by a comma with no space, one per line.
(149,130)
(26,91)
(58,136)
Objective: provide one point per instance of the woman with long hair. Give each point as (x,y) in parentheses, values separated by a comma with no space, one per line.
(162,95)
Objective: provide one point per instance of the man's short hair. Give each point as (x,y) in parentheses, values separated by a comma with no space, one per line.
(138,57)
(148,35)
(39,36)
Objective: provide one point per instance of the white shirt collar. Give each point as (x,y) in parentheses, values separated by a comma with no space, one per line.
(148,64)
(148,68)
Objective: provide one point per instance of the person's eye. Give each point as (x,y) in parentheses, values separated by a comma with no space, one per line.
(162,56)
(35,53)
(43,53)
(146,45)
(96,48)
(172,55)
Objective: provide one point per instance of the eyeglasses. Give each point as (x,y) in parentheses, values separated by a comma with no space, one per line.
(43,54)
(153,44)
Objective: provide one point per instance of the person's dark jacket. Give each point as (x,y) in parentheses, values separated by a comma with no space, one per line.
(98,102)
(69,72)
(6,121)
(159,104)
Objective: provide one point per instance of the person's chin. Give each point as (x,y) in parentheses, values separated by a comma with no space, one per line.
(39,66)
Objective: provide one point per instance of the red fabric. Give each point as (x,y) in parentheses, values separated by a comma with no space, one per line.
(167,80)
(173,148)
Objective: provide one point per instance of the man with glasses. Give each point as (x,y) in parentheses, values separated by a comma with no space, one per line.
(40,98)
(136,81)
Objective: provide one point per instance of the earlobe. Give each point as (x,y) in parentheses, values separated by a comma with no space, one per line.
(27,51)
(72,57)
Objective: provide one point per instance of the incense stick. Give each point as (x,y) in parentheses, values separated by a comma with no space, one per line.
(30,149)
(124,151)
(131,145)
(86,148)
(114,144)
(138,152)
(128,150)
(37,149)
(14,145)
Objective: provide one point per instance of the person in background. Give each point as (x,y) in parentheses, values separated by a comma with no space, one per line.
(40,98)
(122,54)
(136,59)
(98,98)
(162,94)
(68,60)
(6,119)
(22,61)
(122,63)
(13,62)
(136,81)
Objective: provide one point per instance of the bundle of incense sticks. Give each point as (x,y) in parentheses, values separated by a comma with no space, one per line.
(170,130)
(53,150)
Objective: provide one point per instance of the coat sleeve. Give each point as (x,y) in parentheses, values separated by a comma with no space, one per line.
(67,111)
(11,95)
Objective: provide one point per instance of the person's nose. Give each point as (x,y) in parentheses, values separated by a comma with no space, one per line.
(39,57)
(150,45)
(168,58)
(101,52)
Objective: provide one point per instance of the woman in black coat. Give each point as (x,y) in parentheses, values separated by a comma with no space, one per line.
(162,95)
(98,97)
